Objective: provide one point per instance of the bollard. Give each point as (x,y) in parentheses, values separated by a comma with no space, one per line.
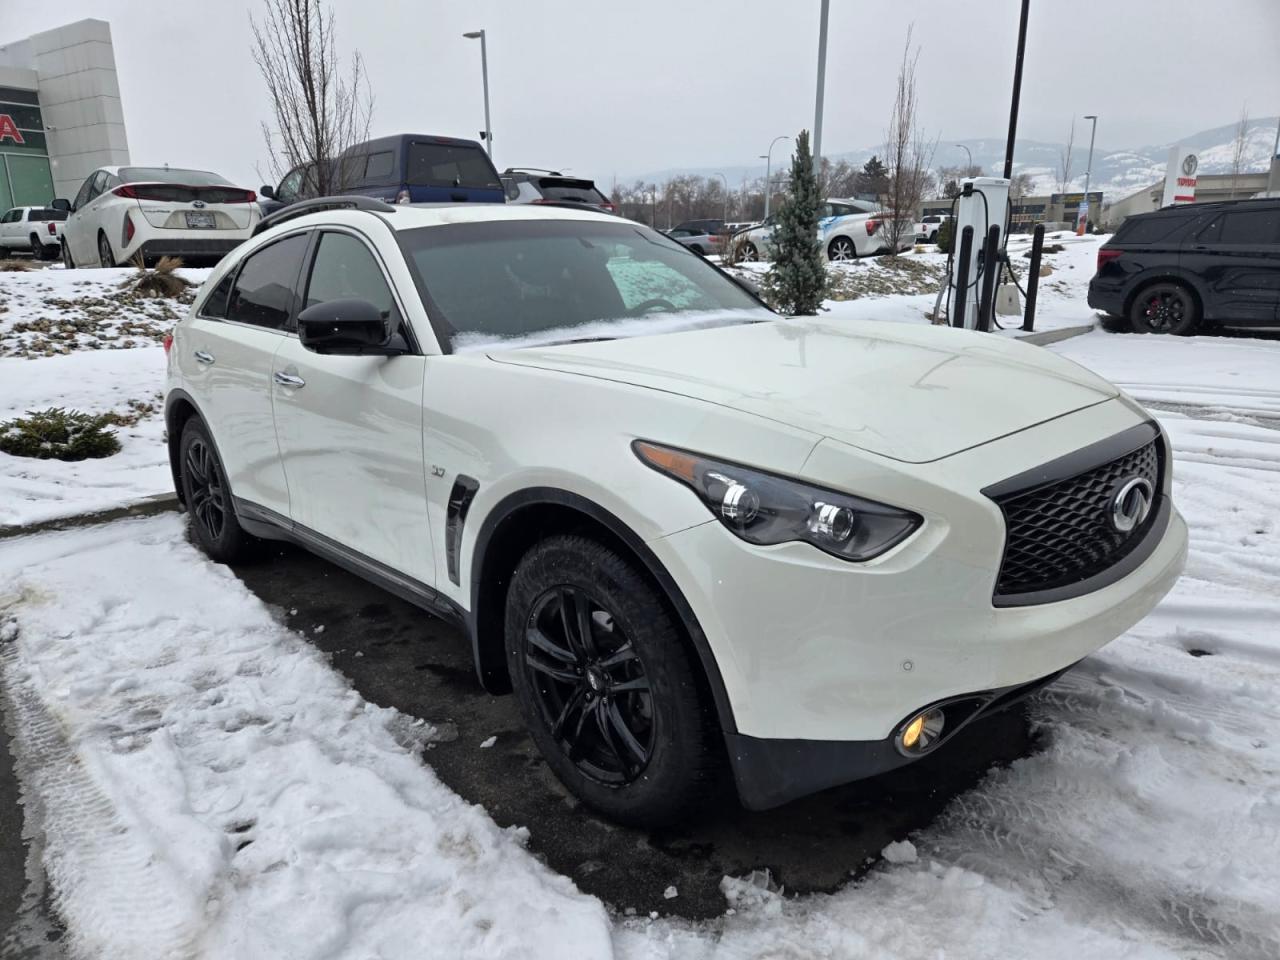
(962,276)
(1033,278)
(990,271)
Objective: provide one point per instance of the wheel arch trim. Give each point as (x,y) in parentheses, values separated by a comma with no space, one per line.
(490,664)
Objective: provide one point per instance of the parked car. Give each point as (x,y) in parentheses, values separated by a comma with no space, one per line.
(1173,269)
(847,229)
(715,227)
(404,168)
(926,228)
(697,240)
(37,229)
(807,552)
(151,212)
(531,185)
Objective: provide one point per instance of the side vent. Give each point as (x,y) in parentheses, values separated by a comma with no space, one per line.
(460,497)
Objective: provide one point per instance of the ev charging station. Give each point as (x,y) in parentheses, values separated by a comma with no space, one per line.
(982,204)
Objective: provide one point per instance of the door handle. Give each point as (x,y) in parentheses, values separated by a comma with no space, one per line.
(203,357)
(288,380)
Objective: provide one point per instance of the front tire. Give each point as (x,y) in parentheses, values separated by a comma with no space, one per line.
(607,685)
(67,260)
(214,526)
(749,251)
(1164,308)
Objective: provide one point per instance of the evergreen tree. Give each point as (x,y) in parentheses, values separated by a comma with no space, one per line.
(798,279)
(874,178)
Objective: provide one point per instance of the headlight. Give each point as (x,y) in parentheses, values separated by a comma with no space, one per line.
(766,509)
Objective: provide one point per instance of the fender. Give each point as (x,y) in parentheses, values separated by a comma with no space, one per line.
(492,673)
(173,437)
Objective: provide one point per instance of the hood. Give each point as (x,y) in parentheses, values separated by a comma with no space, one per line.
(911,393)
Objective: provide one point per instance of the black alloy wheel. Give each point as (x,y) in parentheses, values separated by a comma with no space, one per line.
(1164,308)
(206,490)
(841,249)
(608,683)
(105,257)
(590,685)
(207,494)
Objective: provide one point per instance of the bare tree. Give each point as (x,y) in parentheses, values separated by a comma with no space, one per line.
(318,110)
(1064,164)
(908,154)
(1021,185)
(1238,147)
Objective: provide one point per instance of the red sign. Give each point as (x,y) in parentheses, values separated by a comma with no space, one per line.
(9,129)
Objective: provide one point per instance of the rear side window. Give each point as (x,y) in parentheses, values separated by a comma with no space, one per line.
(450,165)
(379,165)
(263,292)
(344,269)
(1244,227)
(1147,230)
(215,305)
(574,191)
(45,215)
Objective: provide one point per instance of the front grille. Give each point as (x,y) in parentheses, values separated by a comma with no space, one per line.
(1060,532)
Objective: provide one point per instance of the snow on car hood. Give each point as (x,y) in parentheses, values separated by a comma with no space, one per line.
(910,393)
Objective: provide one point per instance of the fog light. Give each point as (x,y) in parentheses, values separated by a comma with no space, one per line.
(920,734)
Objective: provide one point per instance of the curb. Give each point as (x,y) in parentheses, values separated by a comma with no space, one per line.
(1043,338)
(146,507)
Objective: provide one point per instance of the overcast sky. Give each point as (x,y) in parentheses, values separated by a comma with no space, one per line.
(622,88)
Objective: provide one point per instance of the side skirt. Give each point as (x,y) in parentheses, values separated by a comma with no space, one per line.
(269,525)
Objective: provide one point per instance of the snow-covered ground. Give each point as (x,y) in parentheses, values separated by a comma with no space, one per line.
(76,339)
(207,785)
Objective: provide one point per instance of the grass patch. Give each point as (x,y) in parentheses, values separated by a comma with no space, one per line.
(159,282)
(58,434)
(14,266)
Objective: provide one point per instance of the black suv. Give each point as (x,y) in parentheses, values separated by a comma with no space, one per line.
(1167,271)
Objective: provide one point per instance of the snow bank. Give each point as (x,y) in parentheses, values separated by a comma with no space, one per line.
(214,789)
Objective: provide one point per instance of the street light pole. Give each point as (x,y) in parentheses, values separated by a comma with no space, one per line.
(768,166)
(484,71)
(822,82)
(1088,167)
(967,151)
(726,194)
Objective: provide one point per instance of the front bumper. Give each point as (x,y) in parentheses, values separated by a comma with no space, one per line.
(821,660)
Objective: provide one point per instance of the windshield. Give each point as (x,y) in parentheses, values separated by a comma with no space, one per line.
(521,283)
(192,178)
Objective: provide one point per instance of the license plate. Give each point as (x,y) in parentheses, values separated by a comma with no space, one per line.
(199,220)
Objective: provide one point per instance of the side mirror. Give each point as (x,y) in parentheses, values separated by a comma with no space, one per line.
(351,327)
(61,204)
(267,190)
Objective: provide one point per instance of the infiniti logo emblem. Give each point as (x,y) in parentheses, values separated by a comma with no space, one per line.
(1131,505)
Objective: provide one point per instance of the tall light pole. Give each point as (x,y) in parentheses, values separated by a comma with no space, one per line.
(822,82)
(1088,168)
(967,151)
(726,194)
(484,70)
(768,166)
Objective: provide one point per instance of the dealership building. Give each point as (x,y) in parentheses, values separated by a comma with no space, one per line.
(60,113)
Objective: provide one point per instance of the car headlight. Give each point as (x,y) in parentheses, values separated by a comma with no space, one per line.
(763,508)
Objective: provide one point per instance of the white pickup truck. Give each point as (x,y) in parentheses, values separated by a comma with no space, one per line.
(37,229)
(927,227)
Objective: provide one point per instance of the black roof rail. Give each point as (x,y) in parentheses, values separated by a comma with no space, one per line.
(554,173)
(303,207)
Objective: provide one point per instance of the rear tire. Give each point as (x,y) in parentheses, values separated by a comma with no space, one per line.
(749,251)
(37,248)
(1166,307)
(105,257)
(841,250)
(607,684)
(210,506)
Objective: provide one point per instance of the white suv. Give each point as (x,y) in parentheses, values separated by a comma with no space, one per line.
(689,533)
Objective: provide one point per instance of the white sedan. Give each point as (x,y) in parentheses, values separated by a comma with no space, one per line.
(695,538)
(122,213)
(847,229)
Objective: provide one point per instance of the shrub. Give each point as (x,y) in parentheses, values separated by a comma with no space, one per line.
(160,282)
(14,266)
(946,235)
(58,434)
(798,280)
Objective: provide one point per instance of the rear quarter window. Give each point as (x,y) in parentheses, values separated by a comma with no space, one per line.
(1149,230)
(450,165)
